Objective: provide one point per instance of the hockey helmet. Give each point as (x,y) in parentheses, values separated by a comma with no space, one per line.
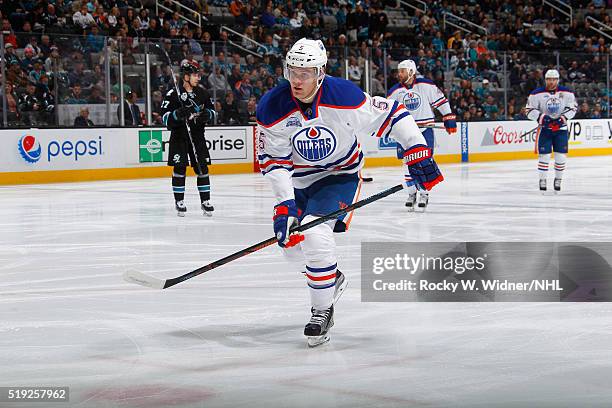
(189,67)
(307,53)
(552,73)
(409,65)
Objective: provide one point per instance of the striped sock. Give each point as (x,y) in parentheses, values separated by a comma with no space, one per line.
(321,283)
(178,186)
(543,165)
(560,159)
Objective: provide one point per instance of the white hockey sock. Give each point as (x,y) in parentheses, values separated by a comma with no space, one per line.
(409,182)
(543,160)
(319,248)
(560,159)
(295,257)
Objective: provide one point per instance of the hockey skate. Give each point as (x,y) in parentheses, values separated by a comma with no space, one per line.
(318,327)
(557,185)
(207,208)
(181,208)
(341,284)
(542,184)
(423,200)
(411,202)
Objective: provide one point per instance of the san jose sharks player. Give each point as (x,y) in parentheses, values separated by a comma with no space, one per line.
(186,115)
(420,96)
(551,106)
(308,148)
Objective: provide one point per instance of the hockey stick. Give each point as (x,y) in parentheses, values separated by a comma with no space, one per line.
(433,126)
(178,97)
(140,278)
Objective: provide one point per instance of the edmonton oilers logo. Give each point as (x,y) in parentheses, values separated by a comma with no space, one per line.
(553,105)
(314,143)
(412,100)
(29,148)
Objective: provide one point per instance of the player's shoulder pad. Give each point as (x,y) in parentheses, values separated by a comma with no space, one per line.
(341,93)
(393,89)
(424,81)
(170,92)
(538,90)
(275,105)
(564,89)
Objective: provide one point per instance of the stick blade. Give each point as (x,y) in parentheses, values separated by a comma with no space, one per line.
(139,278)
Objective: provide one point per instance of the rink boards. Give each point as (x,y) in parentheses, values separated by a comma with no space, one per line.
(58,155)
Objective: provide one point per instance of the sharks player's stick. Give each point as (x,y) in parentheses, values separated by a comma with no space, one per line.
(140,278)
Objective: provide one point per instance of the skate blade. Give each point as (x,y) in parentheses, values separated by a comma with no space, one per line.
(315,341)
(180,214)
(340,290)
(410,208)
(207,213)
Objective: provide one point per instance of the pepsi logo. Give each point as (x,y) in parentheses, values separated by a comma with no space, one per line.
(412,100)
(29,148)
(314,143)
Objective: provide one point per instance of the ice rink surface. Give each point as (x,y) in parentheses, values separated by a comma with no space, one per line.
(233,337)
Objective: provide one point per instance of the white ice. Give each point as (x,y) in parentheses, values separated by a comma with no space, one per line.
(233,336)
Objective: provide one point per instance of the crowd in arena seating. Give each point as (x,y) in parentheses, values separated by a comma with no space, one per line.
(57,51)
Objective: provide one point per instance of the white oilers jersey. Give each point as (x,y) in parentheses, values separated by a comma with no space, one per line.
(420,99)
(551,103)
(297,148)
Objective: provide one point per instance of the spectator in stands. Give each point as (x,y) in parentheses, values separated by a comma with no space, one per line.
(583,112)
(12,104)
(76,96)
(490,108)
(217,80)
(250,114)
(354,71)
(27,63)
(54,62)
(82,120)
(9,54)
(30,106)
(484,91)
(267,18)
(231,116)
(95,42)
(96,97)
(156,110)
(83,19)
(131,111)
(243,88)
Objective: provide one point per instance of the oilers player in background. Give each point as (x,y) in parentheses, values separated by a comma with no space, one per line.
(192,107)
(419,96)
(308,149)
(551,106)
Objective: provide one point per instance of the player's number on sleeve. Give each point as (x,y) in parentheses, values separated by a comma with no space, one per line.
(165,104)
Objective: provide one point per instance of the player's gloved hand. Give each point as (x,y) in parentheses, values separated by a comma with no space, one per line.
(557,124)
(204,117)
(286,217)
(185,112)
(422,167)
(545,120)
(450,123)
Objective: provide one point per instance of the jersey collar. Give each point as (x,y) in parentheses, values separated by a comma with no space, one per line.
(314,110)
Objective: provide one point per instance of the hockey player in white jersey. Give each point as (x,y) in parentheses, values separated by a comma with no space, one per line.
(308,149)
(420,96)
(551,106)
